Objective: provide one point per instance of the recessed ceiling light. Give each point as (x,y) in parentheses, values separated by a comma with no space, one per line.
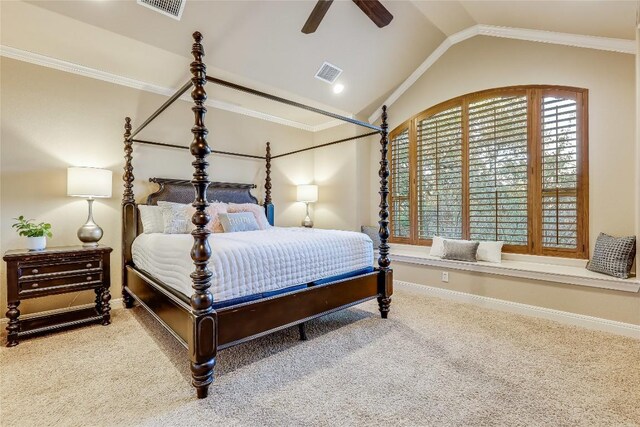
(337,88)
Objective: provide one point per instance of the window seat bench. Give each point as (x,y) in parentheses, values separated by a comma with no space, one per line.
(548,269)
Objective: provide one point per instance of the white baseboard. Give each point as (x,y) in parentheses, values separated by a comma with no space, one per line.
(589,322)
(115,304)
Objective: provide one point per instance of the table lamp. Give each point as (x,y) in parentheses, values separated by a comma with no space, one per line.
(90,183)
(307,194)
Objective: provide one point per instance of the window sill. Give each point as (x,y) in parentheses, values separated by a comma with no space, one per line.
(548,269)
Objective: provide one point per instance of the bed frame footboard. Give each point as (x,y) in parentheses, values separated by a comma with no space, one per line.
(204,335)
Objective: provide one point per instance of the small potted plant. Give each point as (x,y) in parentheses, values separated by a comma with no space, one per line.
(36,234)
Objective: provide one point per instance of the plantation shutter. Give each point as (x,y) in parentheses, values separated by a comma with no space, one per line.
(400,207)
(559,144)
(439,180)
(498,170)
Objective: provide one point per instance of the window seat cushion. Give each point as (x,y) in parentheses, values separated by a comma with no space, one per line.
(572,272)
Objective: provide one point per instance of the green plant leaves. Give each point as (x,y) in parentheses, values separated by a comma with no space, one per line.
(27,228)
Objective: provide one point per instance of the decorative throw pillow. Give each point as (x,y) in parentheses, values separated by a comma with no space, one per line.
(490,252)
(372,232)
(437,247)
(613,255)
(460,250)
(256,210)
(214,210)
(151,218)
(240,221)
(176,217)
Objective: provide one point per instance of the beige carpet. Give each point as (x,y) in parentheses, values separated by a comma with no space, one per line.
(434,362)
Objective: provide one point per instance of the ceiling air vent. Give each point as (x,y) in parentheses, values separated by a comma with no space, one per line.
(172,8)
(328,73)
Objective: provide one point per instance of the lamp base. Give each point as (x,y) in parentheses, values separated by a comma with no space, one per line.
(307,222)
(90,233)
(307,219)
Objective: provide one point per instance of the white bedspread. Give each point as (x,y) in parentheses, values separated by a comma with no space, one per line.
(252,262)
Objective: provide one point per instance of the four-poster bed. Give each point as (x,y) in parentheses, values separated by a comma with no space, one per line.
(197,320)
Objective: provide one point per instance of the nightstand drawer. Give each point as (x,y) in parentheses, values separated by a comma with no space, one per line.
(58,266)
(60,283)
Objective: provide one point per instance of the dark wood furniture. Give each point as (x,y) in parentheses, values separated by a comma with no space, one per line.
(202,329)
(56,270)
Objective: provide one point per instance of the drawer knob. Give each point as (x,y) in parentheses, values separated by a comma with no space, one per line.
(89,278)
(88,265)
(34,285)
(34,271)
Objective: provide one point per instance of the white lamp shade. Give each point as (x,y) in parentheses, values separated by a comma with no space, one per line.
(89,182)
(307,193)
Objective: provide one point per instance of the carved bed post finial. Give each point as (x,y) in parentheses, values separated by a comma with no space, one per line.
(202,336)
(384,300)
(129,218)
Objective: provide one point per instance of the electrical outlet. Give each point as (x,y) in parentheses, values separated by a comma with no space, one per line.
(445,276)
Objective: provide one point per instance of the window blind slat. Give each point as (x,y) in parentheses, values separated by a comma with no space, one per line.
(498,179)
(400,204)
(439,161)
(558,126)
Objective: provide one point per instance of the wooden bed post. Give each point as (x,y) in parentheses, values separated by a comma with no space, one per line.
(268,205)
(129,213)
(385,284)
(203,329)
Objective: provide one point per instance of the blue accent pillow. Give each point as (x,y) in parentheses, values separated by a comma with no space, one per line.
(239,221)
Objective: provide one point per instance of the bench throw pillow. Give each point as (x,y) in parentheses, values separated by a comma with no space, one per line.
(437,247)
(613,255)
(460,250)
(372,232)
(240,221)
(490,251)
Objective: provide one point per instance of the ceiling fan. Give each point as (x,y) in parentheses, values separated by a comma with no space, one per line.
(372,8)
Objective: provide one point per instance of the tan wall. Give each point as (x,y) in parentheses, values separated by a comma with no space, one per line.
(487,62)
(342,174)
(52,120)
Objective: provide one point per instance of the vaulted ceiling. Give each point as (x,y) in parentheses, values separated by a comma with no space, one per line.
(260,43)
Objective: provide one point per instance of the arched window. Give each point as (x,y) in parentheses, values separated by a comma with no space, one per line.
(507,164)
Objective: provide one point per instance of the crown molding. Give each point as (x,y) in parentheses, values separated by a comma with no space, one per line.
(81,70)
(565,39)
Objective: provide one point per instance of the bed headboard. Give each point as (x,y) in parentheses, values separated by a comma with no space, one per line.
(182,191)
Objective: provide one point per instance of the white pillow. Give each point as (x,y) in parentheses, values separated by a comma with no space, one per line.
(437,247)
(487,251)
(176,217)
(151,218)
(490,252)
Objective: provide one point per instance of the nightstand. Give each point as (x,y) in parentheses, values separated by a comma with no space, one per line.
(56,270)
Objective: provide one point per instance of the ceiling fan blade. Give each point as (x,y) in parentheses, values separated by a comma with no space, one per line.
(317,14)
(375,11)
